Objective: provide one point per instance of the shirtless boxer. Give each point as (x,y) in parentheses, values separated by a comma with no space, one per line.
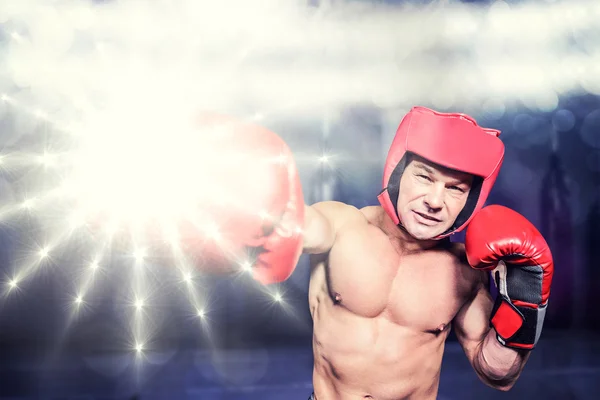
(387,285)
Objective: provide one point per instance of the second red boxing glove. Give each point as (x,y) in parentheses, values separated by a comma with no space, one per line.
(501,240)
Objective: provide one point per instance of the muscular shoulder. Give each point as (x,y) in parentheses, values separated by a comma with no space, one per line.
(337,209)
(340,214)
(372,214)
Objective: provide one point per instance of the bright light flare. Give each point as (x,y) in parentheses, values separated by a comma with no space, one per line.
(158,169)
(28,204)
(277,297)
(139,304)
(111,228)
(201,313)
(40,114)
(246,266)
(282,159)
(139,347)
(139,255)
(211,230)
(43,253)
(47,159)
(12,284)
(76,220)
(264,215)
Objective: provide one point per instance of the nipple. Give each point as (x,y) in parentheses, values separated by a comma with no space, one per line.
(440,328)
(337,298)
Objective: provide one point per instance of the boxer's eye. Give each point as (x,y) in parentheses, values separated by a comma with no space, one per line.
(461,190)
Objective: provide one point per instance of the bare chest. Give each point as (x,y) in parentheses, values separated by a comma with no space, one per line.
(368,278)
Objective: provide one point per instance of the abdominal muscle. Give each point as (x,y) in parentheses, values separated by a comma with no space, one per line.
(359,357)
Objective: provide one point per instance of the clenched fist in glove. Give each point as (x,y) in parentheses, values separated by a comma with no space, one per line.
(500,240)
(251,208)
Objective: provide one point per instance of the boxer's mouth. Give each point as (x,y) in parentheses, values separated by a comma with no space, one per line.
(428,217)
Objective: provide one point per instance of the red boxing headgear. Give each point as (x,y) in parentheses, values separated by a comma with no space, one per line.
(451,140)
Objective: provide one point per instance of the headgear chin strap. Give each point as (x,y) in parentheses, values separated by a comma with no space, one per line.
(451,140)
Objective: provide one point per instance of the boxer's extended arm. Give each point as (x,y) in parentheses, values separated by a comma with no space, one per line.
(496,365)
(322,222)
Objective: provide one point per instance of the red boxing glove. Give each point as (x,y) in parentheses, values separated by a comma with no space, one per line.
(253,201)
(500,240)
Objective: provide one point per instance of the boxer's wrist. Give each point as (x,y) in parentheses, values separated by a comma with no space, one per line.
(498,364)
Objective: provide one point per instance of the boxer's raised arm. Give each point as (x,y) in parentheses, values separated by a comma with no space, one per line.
(497,366)
(322,222)
(504,242)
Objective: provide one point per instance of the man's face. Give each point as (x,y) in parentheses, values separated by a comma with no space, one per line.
(431,197)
